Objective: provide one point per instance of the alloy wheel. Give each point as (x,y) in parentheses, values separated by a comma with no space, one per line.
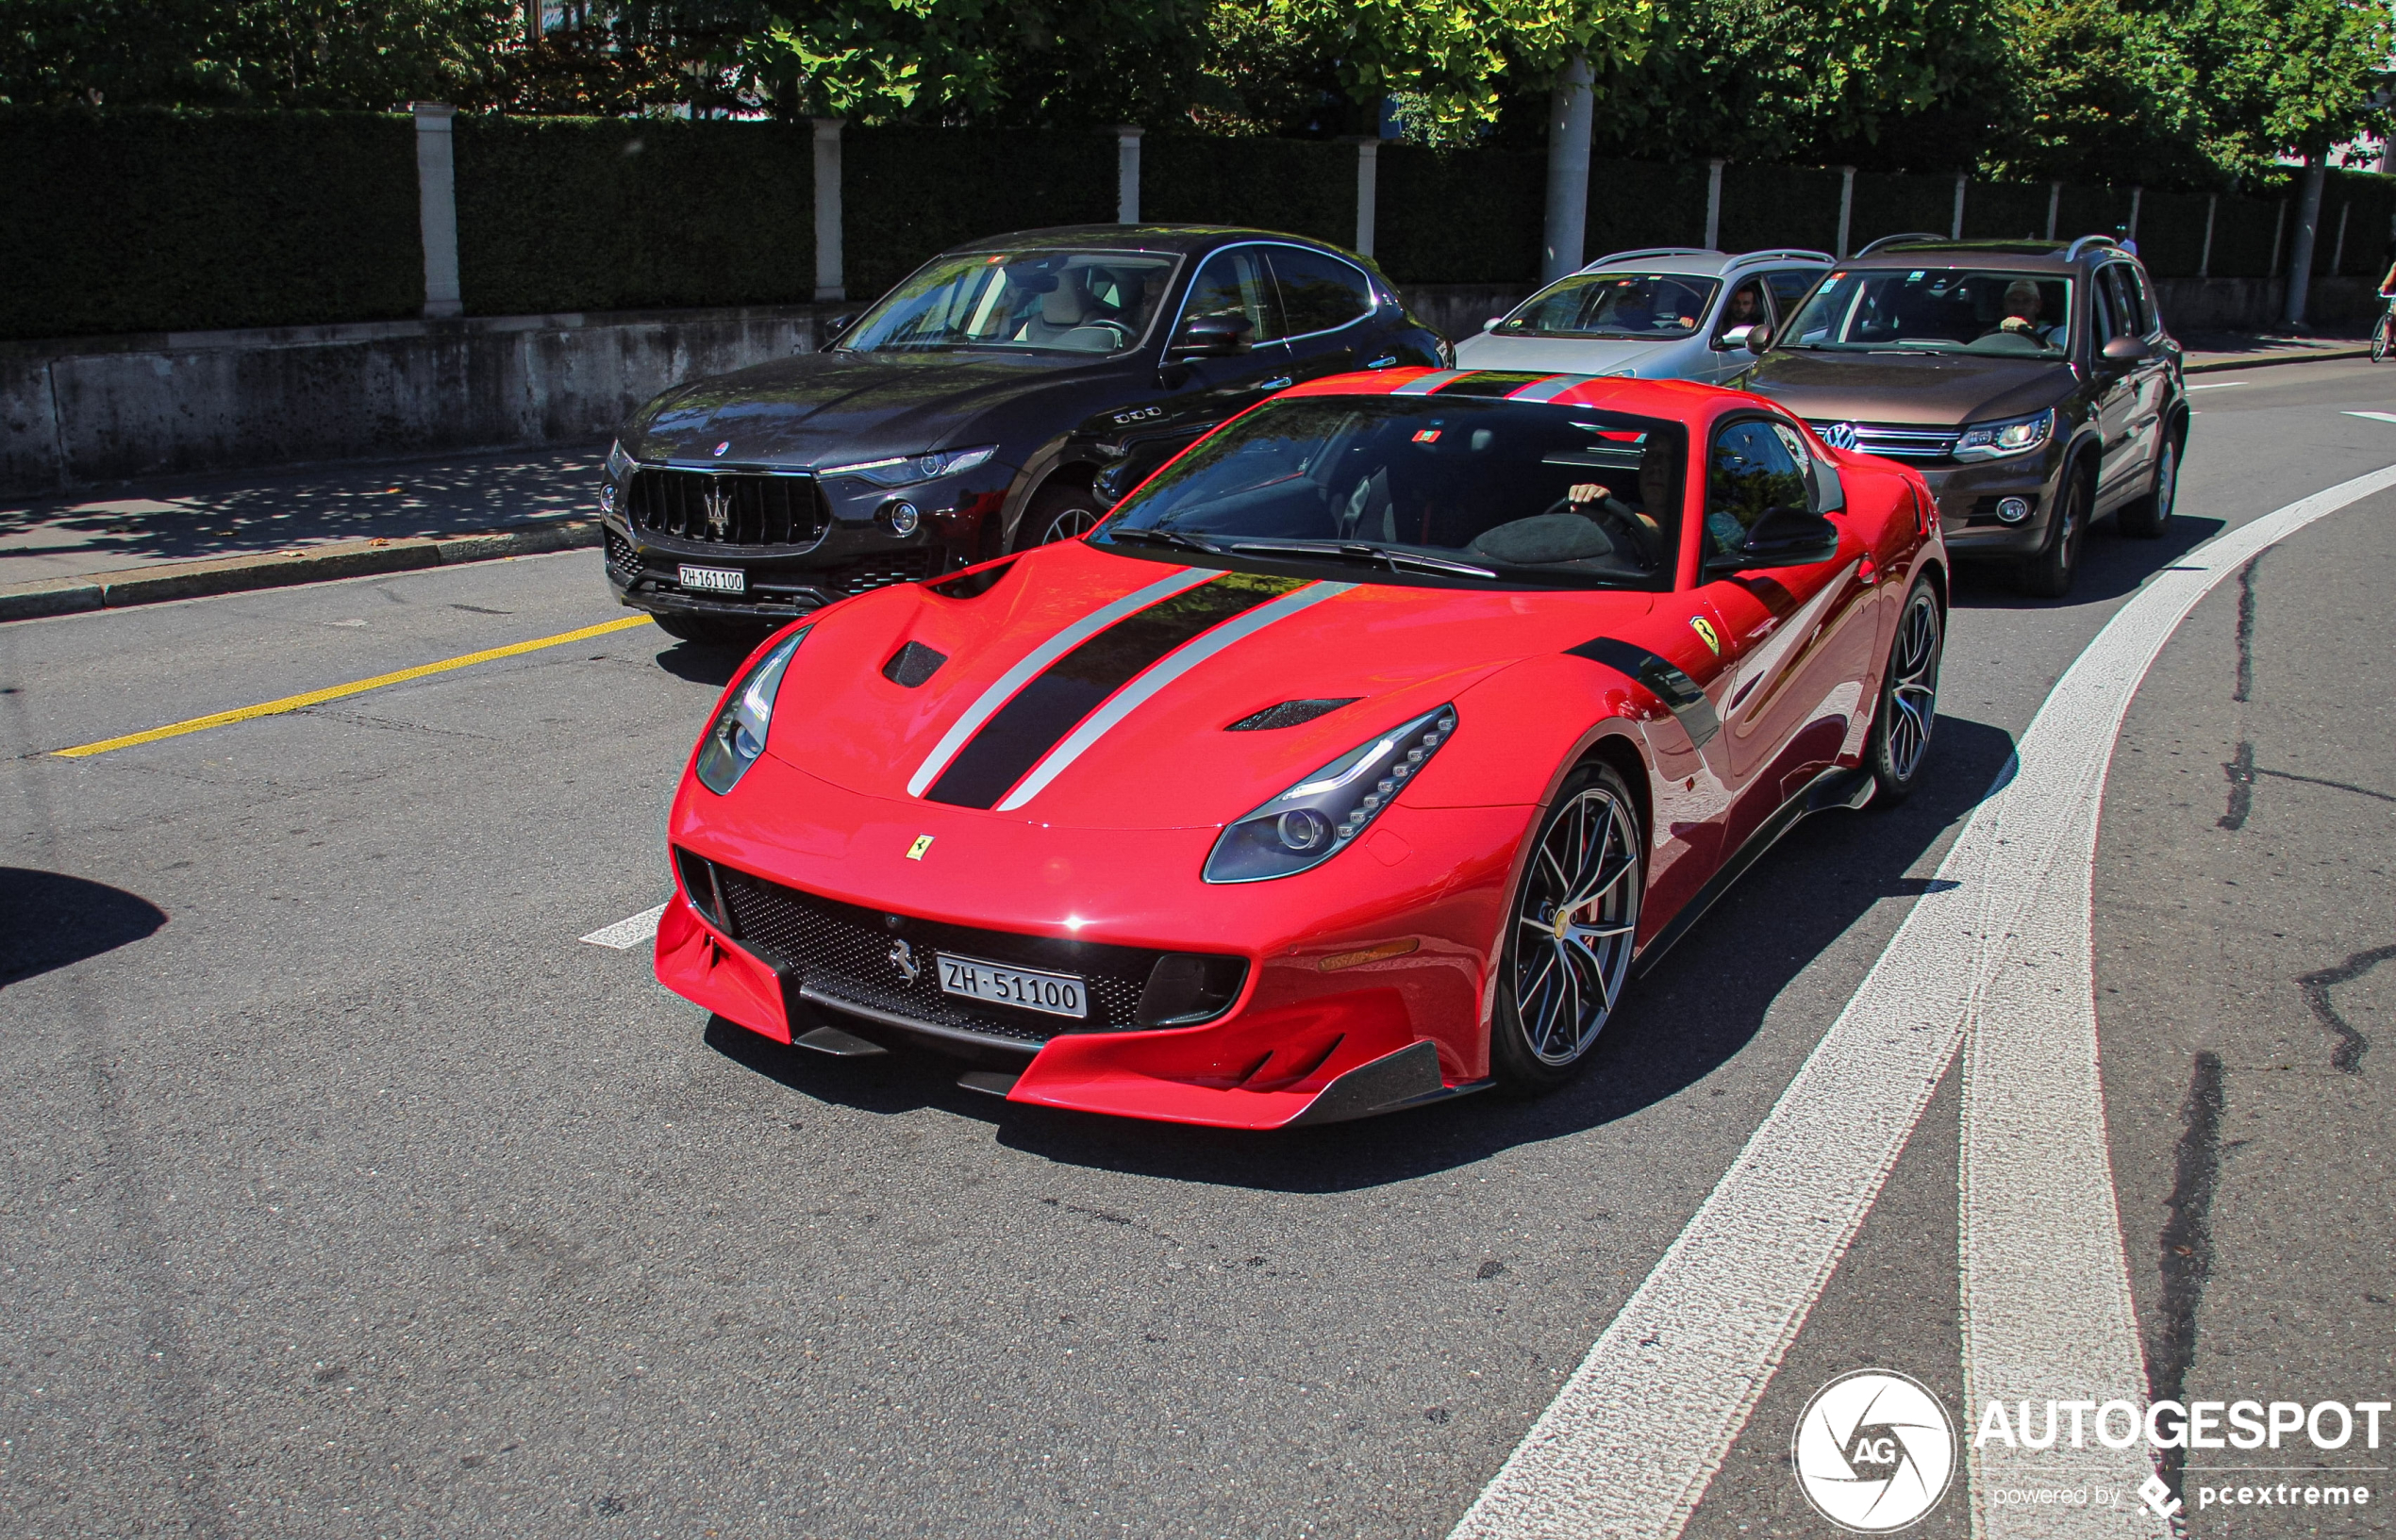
(1069,523)
(1913,687)
(1576,924)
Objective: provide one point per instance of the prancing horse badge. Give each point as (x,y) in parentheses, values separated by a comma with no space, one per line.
(1713,642)
(923,843)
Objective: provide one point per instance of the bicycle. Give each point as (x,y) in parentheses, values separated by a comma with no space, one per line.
(2385,332)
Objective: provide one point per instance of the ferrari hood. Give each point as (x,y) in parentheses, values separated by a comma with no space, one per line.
(1086,689)
(801,410)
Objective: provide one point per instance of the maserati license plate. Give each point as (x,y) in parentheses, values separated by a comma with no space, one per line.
(715,579)
(1058,994)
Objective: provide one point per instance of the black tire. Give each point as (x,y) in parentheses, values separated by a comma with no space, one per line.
(1058,511)
(2379,338)
(1909,698)
(1592,829)
(709,630)
(2049,574)
(2150,516)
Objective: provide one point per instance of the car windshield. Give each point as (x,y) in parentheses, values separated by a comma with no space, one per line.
(1032,301)
(1641,305)
(1482,490)
(1937,311)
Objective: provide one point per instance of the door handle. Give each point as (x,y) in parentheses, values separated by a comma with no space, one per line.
(1281,384)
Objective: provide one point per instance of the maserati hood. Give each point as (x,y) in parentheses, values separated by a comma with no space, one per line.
(1087,689)
(816,407)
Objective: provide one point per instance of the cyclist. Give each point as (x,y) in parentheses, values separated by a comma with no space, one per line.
(2385,331)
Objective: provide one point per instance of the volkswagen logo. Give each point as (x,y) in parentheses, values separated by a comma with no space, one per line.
(717,502)
(1839,435)
(903,958)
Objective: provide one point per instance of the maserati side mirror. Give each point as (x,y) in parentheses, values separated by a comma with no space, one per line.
(837,327)
(1782,538)
(1212,336)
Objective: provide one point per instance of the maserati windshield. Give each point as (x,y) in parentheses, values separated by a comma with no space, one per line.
(1034,301)
(1479,490)
(1937,311)
(1646,305)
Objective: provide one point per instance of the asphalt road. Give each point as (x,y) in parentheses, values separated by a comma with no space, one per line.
(347,1193)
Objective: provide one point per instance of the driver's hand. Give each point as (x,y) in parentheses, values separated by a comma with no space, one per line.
(2015,324)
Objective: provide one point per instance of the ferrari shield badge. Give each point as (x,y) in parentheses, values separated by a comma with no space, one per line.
(1705,632)
(923,843)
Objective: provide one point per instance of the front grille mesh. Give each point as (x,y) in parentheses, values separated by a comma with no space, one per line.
(843,952)
(622,559)
(747,509)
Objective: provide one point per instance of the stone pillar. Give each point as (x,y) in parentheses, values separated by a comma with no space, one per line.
(1368,190)
(1127,174)
(437,206)
(2204,259)
(2138,196)
(1713,203)
(1846,208)
(2054,203)
(1568,171)
(831,285)
(2308,226)
(2279,227)
(1955,231)
(2338,252)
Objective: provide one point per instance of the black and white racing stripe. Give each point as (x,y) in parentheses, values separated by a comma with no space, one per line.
(1503,384)
(1048,710)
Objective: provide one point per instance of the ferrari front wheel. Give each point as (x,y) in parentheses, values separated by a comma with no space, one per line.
(1909,697)
(1569,931)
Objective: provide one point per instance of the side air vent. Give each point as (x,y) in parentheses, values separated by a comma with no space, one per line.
(1289,713)
(913,664)
(972,584)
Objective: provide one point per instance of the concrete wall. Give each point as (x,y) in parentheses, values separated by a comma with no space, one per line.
(116,409)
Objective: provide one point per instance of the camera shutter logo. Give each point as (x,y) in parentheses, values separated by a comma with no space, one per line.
(1874,1451)
(717,504)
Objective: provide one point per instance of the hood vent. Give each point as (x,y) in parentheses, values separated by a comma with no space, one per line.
(1289,713)
(970,584)
(913,664)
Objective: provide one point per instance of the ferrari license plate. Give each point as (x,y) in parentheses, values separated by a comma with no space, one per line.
(715,579)
(1057,994)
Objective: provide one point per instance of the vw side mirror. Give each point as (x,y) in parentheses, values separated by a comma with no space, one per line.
(1734,338)
(2126,349)
(1212,336)
(1782,538)
(1759,337)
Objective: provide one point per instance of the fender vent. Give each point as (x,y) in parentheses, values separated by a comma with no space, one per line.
(972,583)
(1289,713)
(913,664)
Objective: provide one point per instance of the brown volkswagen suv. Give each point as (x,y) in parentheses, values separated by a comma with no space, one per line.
(2031,382)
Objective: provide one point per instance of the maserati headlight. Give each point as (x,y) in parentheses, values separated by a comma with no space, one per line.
(620,464)
(737,736)
(2003,440)
(906,469)
(1322,815)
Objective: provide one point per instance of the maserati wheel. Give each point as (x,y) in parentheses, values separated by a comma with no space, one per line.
(1058,513)
(1909,697)
(1571,930)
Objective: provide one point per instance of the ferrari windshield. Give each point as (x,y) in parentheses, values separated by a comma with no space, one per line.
(1647,305)
(1034,301)
(1937,309)
(1482,490)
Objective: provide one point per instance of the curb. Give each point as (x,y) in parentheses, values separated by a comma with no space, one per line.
(281,568)
(2219,365)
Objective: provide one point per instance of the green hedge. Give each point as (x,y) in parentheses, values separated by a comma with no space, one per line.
(1636,203)
(908,193)
(1458,216)
(1888,204)
(2366,202)
(135,221)
(1302,187)
(2004,210)
(1778,206)
(612,214)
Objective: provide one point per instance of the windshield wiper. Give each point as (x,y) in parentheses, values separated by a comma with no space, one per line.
(1353,551)
(1150,535)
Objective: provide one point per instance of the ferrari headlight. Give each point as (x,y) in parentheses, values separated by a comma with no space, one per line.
(737,736)
(1322,815)
(2003,440)
(620,464)
(906,469)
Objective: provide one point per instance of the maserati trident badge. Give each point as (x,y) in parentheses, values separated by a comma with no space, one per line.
(717,504)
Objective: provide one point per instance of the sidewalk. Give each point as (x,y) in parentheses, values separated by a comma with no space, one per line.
(183,537)
(2212,351)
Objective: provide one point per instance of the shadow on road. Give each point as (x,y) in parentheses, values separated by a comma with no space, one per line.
(2111,565)
(1701,1006)
(48,920)
(702,663)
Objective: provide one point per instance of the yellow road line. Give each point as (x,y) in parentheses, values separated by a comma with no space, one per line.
(334,692)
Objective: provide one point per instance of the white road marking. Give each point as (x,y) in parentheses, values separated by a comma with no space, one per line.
(629,932)
(2376,417)
(1638,1431)
(2219,385)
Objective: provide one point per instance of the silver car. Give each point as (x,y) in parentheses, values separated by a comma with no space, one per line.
(1662,313)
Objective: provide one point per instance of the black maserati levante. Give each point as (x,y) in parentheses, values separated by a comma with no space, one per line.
(974,409)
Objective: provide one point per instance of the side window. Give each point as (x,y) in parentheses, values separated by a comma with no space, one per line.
(1319,292)
(1750,470)
(1746,307)
(1789,286)
(2134,284)
(2117,316)
(1237,283)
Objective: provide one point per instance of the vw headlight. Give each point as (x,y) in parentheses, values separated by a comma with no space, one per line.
(906,469)
(2003,440)
(620,464)
(737,736)
(1322,815)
